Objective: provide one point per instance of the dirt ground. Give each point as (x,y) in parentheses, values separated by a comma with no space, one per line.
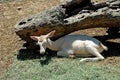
(10,44)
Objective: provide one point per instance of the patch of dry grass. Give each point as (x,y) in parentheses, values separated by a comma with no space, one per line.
(66,69)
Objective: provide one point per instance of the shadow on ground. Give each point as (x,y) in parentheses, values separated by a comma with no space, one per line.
(114,50)
(25,54)
(113,47)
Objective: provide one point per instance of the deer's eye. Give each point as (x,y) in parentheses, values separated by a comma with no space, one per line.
(40,41)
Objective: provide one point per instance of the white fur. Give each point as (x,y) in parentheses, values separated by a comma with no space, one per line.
(74,45)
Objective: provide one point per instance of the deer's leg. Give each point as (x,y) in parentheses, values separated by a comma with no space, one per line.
(66,53)
(95,53)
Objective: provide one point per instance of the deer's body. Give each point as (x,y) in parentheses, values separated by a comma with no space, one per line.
(74,45)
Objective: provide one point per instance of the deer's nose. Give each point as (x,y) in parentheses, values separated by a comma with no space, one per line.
(42,51)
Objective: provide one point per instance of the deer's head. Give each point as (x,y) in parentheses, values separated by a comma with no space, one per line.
(42,40)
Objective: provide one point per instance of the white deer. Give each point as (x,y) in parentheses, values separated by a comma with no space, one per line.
(72,45)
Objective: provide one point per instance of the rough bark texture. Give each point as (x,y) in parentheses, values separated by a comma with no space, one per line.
(65,21)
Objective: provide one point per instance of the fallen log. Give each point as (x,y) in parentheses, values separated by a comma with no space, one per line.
(105,14)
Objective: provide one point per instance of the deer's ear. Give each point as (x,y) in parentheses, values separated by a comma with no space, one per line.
(35,38)
(51,34)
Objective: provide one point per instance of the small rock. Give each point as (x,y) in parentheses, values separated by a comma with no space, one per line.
(19,8)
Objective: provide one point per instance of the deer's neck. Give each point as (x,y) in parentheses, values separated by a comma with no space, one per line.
(51,45)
